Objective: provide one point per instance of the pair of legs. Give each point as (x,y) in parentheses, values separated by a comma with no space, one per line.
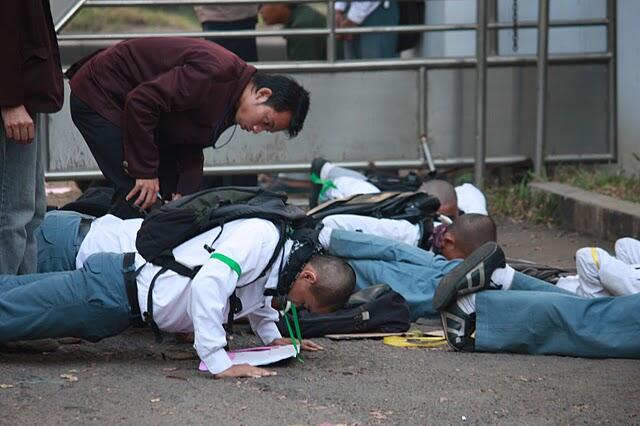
(105,140)
(90,303)
(22,203)
(245,47)
(532,316)
(601,274)
(376,45)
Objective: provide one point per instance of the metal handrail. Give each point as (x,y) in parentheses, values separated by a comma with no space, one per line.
(481,61)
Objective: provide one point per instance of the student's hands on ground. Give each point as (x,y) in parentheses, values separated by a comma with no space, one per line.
(307,345)
(244,370)
(148,191)
(18,124)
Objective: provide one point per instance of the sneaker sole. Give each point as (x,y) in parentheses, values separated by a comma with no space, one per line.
(448,289)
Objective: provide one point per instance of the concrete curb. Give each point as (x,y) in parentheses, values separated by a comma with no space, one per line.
(592,213)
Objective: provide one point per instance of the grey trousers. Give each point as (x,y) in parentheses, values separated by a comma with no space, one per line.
(22,204)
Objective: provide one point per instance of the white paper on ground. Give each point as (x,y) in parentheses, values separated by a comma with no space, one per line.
(261,355)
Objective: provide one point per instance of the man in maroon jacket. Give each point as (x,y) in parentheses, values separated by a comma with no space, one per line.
(148,107)
(30,83)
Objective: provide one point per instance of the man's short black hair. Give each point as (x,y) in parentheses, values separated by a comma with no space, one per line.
(336,281)
(287,95)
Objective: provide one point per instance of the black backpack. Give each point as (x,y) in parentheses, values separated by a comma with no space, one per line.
(167,227)
(385,182)
(416,207)
(374,309)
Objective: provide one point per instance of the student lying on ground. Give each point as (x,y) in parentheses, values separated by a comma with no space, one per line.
(526,315)
(104,297)
(600,274)
(338,182)
(409,270)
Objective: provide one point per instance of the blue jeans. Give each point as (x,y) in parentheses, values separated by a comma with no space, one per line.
(58,242)
(535,317)
(22,203)
(90,303)
(376,45)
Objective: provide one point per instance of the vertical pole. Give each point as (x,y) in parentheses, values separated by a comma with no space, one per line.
(612,47)
(543,48)
(481,93)
(331,38)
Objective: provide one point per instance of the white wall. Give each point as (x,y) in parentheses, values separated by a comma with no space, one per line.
(629,86)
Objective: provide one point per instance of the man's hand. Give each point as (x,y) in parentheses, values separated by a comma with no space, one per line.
(307,345)
(148,189)
(18,124)
(244,370)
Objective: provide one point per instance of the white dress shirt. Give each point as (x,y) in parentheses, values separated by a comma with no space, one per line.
(201,305)
(393,229)
(359,10)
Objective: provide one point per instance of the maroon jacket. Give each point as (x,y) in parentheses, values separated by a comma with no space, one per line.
(170,91)
(30,71)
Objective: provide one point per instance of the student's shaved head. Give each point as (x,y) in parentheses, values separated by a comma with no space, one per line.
(473,230)
(336,281)
(446,193)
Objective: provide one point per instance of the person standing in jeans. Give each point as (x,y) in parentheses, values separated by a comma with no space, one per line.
(30,83)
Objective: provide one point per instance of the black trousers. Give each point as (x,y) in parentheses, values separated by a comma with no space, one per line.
(244,47)
(105,141)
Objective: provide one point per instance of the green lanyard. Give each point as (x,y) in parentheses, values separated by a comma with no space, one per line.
(326,183)
(297,344)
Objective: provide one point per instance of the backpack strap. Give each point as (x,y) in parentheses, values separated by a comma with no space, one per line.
(148,316)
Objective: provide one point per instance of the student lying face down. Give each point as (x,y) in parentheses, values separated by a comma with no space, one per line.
(409,270)
(104,296)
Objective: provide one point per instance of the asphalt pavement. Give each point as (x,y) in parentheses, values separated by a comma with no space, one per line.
(131,380)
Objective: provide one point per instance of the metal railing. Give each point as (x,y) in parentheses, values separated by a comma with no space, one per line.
(485,22)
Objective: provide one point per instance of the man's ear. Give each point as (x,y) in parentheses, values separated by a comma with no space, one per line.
(263,94)
(449,239)
(309,274)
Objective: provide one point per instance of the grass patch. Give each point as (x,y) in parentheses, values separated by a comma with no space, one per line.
(512,196)
(613,183)
(95,20)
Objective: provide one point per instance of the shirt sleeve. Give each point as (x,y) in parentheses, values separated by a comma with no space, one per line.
(359,10)
(234,261)
(263,322)
(356,245)
(11,92)
(178,89)
(393,229)
(340,6)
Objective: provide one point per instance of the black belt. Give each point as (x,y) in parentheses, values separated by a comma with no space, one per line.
(83,229)
(130,274)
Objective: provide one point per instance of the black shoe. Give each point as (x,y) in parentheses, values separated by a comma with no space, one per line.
(470,276)
(316,167)
(458,328)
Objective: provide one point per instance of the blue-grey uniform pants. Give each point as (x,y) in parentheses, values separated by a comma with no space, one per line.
(537,318)
(90,303)
(532,317)
(58,240)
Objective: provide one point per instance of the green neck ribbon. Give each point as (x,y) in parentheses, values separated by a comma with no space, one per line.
(297,343)
(326,183)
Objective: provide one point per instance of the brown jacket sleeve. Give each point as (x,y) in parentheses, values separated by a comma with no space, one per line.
(181,88)
(11,92)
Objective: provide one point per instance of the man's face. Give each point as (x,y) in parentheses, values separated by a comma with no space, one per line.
(301,294)
(450,210)
(254,116)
